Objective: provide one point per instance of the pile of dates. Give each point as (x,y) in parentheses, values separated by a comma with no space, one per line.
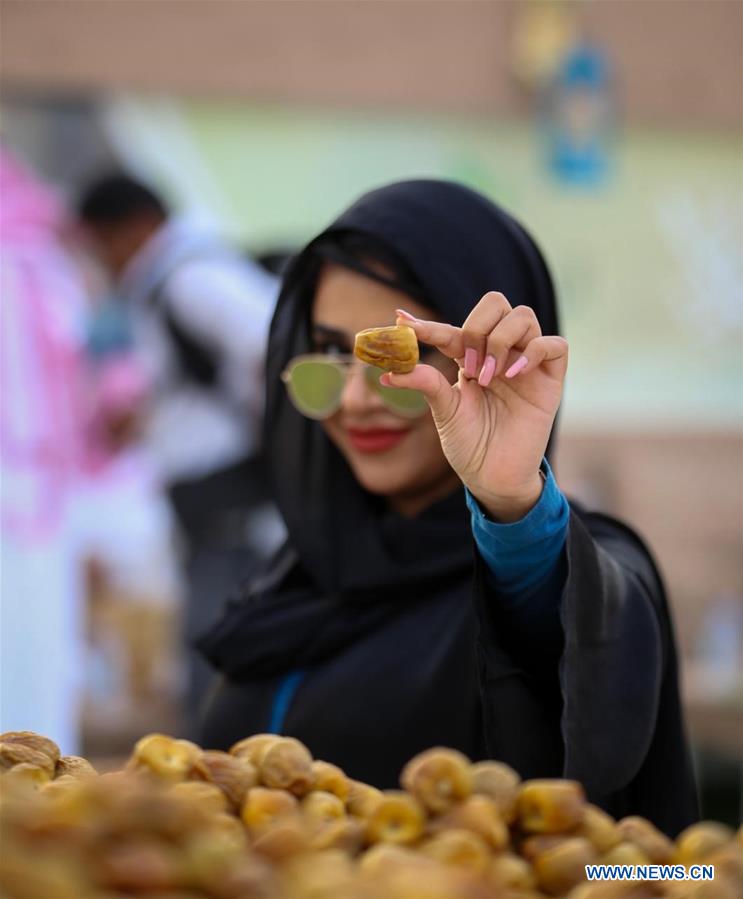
(267,821)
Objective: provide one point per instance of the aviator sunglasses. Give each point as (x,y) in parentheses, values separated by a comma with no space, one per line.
(315,384)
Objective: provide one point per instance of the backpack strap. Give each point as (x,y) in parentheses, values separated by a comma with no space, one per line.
(198,362)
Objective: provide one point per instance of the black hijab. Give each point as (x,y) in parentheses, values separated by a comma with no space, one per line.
(457,245)
(349,561)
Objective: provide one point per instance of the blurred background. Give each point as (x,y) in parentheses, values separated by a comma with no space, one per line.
(613,129)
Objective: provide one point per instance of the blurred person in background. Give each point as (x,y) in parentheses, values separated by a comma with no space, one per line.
(382,628)
(42,414)
(125,529)
(200,313)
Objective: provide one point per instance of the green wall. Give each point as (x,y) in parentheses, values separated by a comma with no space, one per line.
(649,266)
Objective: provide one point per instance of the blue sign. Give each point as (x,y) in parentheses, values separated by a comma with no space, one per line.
(580,117)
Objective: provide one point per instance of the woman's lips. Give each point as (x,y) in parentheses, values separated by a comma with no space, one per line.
(377,440)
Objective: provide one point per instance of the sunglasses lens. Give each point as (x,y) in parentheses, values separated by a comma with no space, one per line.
(315,387)
(405,402)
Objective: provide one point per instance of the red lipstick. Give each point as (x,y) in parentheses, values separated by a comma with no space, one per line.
(376,440)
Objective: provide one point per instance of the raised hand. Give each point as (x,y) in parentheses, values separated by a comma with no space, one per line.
(494,423)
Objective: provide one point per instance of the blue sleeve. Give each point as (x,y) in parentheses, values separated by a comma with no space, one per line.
(522,556)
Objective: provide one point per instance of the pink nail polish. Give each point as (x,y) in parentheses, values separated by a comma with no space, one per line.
(487,371)
(519,365)
(406,315)
(470,362)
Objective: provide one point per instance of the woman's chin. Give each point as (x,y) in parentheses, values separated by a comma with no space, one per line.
(407,468)
(375,479)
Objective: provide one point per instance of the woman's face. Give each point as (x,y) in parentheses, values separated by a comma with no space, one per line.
(399,458)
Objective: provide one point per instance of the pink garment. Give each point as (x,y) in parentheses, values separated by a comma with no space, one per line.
(29,209)
(42,311)
(122,385)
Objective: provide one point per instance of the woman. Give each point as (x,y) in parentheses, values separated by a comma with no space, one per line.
(380,630)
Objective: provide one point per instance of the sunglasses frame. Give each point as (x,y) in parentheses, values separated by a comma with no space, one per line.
(343,362)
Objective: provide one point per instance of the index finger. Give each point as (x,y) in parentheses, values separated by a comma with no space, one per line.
(446,338)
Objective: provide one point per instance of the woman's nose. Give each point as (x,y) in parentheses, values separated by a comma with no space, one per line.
(357,395)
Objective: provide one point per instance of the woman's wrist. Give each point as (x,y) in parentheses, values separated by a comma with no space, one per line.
(506,509)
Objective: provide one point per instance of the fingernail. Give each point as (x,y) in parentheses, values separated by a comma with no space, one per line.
(486,373)
(519,365)
(406,315)
(470,362)
(385,379)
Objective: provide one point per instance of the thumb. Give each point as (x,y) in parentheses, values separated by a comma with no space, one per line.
(441,396)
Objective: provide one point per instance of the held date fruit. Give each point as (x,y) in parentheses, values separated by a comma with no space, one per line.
(438,778)
(550,806)
(393,348)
